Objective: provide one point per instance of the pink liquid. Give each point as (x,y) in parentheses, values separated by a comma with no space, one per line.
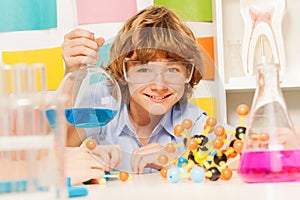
(270,166)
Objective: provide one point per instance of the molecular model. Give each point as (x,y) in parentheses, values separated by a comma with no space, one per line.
(204,158)
(90,144)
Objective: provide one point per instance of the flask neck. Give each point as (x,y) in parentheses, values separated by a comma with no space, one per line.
(268,80)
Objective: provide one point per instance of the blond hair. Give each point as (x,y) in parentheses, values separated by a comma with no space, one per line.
(155,30)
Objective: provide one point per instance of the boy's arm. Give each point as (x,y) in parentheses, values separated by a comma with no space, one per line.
(75,136)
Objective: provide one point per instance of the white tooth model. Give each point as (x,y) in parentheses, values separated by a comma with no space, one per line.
(262,18)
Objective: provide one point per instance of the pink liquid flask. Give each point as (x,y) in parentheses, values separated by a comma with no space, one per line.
(271,151)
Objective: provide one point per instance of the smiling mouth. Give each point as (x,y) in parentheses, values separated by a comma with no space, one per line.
(158,97)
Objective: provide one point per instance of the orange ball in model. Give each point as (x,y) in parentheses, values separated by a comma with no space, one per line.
(91,144)
(242,110)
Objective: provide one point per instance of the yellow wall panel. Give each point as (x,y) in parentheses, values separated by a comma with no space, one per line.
(51,58)
(208,104)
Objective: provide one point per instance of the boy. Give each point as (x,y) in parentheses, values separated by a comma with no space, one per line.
(157,62)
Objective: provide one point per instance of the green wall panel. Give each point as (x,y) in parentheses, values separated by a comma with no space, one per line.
(189,10)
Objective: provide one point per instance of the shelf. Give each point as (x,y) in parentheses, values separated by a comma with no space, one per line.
(230,27)
(244,84)
(238,87)
(240,83)
(230,50)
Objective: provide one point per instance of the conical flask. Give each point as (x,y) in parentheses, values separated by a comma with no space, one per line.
(271,151)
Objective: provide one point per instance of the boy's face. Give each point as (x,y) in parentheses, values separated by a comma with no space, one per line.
(157,86)
(155,97)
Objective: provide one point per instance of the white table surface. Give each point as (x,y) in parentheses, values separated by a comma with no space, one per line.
(154,187)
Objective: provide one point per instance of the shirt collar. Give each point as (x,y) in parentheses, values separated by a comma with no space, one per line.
(124,121)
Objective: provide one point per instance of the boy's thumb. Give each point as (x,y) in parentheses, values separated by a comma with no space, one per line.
(100,41)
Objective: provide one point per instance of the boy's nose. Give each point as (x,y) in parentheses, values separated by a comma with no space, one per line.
(159,83)
(159,78)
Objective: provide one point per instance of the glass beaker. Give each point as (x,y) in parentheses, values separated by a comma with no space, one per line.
(94,97)
(271,151)
(32,139)
(233,60)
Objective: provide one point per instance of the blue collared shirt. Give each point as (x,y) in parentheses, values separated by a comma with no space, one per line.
(121,131)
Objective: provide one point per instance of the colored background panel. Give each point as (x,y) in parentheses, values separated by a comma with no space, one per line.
(20,15)
(189,10)
(50,57)
(101,11)
(104,55)
(207,43)
(206,103)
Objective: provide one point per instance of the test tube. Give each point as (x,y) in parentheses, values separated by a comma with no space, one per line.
(5,80)
(25,134)
(37,78)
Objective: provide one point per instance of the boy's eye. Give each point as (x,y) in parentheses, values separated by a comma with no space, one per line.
(143,70)
(173,69)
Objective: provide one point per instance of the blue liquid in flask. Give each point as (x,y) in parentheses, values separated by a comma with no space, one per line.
(89,117)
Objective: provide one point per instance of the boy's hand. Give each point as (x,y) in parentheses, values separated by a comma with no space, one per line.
(80,166)
(79,48)
(108,155)
(147,157)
